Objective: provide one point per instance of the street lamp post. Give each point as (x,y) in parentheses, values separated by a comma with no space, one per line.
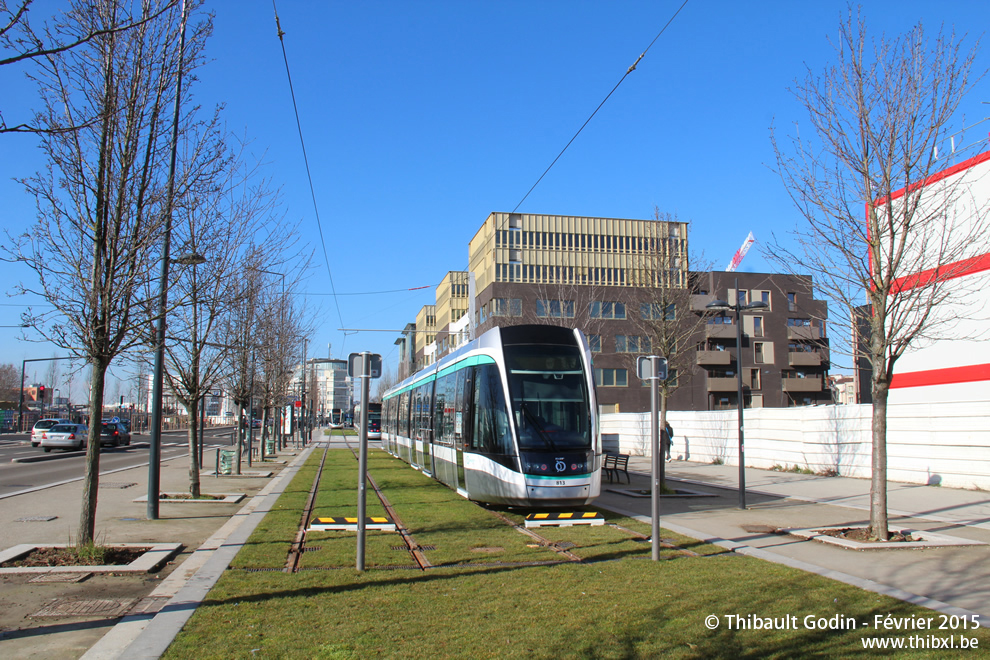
(155,439)
(724,306)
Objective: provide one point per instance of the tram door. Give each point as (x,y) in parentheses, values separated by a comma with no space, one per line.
(462,420)
(424,432)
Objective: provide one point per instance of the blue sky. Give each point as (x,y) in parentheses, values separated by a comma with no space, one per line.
(421,118)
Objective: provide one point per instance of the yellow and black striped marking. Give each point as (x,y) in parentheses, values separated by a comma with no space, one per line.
(351,524)
(564,519)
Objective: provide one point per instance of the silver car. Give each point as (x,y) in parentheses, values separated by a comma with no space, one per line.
(64,436)
(43,425)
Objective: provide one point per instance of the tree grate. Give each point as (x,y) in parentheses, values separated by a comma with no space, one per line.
(117,484)
(36,519)
(405,548)
(60,577)
(97,607)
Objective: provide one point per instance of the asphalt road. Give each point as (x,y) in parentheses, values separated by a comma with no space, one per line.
(65,466)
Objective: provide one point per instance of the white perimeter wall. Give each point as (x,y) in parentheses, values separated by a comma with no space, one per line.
(927,443)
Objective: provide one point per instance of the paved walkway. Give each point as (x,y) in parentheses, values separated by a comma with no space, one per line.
(948,579)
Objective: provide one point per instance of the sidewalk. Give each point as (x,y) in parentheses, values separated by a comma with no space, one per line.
(947,579)
(51,515)
(952,580)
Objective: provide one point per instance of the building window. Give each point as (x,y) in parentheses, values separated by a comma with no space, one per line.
(720,320)
(506,306)
(798,323)
(632,344)
(754,380)
(607,310)
(611,378)
(555,309)
(791,302)
(757,326)
(742,296)
(595,342)
(764,297)
(657,311)
(758,352)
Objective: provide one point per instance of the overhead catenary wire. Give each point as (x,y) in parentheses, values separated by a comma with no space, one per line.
(309,175)
(607,96)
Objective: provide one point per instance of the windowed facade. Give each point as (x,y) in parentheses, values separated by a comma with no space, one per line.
(607,310)
(632,344)
(656,312)
(595,342)
(589,273)
(611,377)
(555,309)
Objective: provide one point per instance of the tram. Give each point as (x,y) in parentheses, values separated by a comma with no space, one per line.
(374,419)
(509,418)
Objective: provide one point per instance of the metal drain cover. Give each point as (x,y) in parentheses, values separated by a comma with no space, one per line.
(760,529)
(60,577)
(99,607)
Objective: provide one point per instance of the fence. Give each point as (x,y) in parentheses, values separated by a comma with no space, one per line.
(935,443)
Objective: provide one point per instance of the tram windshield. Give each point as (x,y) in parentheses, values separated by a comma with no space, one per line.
(549,397)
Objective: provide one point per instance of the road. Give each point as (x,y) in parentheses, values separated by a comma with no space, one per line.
(65,466)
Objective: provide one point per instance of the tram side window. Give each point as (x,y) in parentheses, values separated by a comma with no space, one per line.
(491,421)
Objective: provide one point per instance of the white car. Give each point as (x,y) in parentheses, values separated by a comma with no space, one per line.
(64,436)
(43,425)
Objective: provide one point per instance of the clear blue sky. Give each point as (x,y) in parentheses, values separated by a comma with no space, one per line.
(421,118)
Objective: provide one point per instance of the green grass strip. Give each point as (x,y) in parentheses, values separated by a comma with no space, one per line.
(617,604)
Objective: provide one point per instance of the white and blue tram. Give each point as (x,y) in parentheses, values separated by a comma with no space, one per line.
(509,418)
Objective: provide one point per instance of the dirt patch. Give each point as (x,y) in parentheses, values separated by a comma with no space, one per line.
(862,535)
(70,556)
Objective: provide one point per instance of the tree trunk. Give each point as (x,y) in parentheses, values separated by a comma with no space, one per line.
(193,409)
(239,435)
(878,484)
(91,480)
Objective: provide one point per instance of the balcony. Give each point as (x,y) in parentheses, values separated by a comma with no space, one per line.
(722,384)
(713,358)
(809,384)
(698,302)
(804,332)
(720,331)
(804,359)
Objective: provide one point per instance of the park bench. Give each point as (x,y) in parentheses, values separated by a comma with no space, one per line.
(615,463)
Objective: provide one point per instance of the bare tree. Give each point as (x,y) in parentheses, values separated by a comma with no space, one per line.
(10,382)
(665,313)
(100,198)
(877,116)
(220,217)
(21,43)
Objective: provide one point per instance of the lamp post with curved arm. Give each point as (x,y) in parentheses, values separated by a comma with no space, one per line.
(724,306)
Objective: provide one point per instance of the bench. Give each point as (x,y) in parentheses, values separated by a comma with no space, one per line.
(615,463)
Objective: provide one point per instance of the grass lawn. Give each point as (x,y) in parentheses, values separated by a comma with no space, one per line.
(496,593)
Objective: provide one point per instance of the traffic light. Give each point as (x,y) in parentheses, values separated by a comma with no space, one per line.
(41,392)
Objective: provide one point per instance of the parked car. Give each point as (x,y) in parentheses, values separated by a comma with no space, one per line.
(113,434)
(43,425)
(64,436)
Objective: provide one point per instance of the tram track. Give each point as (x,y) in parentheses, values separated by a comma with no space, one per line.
(297,547)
